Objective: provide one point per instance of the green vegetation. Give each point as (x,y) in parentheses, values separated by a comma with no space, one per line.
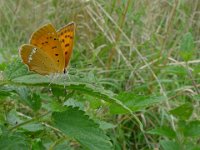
(132,82)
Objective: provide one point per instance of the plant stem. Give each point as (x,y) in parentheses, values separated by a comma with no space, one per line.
(28,121)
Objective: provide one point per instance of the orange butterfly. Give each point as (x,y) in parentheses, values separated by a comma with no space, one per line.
(49,50)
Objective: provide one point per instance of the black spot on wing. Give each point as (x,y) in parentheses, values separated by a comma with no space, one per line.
(66,45)
(54,47)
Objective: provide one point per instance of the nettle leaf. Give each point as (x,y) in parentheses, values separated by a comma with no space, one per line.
(37,145)
(192,129)
(187,46)
(15,69)
(75,124)
(63,146)
(33,127)
(170,145)
(163,131)
(10,141)
(57,91)
(106,125)
(183,112)
(33,100)
(135,102)
(5,91)
(83,87)
(74,103)
(13,119)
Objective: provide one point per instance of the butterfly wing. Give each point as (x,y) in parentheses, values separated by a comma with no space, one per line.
(37,60)
(46,39)
(66,37)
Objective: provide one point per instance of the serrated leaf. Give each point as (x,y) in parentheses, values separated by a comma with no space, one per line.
(15,69)
(187,46)
(163,131)
(76,124)
(170,145)
(74,103)
(183,112)
(135,102)
(83,87)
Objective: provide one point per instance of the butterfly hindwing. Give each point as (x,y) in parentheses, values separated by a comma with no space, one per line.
(46,39)
(66,37)
(37,60)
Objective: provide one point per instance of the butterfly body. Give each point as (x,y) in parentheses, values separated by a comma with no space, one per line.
(49,50)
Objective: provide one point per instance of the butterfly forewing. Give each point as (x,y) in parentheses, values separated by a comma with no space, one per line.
(37,60)
(66,37)
(46,39)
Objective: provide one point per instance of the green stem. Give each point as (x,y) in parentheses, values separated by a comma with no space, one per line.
(28,121)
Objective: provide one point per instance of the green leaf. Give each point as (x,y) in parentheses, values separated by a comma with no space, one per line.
(135,102)
(183,112)
(35,102)
(12,117)
(33,127)
(83,87)
(76,124)
(5,91)
(31,99)
(163,131)
(57,91)
(106,125)
(187,46)
(37,145)
(63,146)
(15,69)
(170,145)
(74,103)
(57,106)
(192,129)
(13,141)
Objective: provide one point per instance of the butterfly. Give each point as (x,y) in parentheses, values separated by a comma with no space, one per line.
(49,50)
